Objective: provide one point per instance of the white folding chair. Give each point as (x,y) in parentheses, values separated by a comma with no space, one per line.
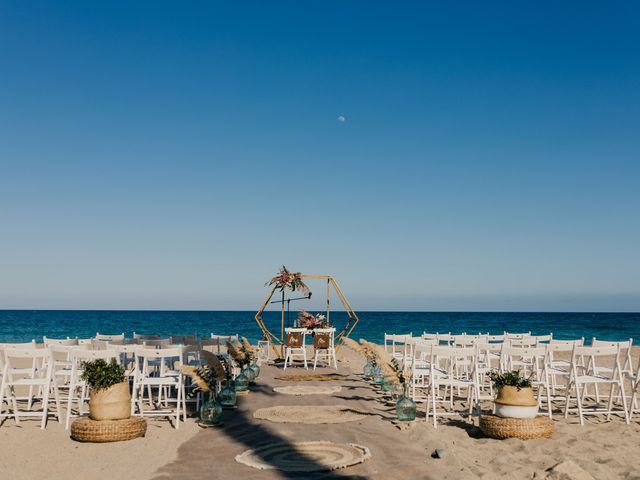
(295,346)
(15,375)
(164,378)
(221,342)
(324,346)
(395,345)
(420,367)
(581,375)
(444,374)
(60,358)
(24,346)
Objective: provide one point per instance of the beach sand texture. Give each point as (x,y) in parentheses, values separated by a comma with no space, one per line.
(606,450)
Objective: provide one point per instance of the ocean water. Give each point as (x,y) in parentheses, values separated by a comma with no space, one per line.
(24,325)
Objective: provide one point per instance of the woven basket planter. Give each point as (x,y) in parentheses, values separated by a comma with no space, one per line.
(522,428)
(87,430)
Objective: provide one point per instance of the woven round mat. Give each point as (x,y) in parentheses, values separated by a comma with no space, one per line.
(87,430)
(308,389)
(304,456)
(311,414)
(522,428)
(310,377)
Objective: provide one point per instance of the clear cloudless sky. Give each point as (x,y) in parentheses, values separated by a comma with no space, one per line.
(172,155)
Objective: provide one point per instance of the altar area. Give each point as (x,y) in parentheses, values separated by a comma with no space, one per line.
(287,287)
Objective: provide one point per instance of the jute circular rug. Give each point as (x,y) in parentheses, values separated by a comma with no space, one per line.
(308,389)
(310,377)
(304,456)
(311,414)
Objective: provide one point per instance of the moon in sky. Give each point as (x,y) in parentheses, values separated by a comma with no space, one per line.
(341,118)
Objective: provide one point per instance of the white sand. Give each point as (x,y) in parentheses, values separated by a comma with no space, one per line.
(606,450)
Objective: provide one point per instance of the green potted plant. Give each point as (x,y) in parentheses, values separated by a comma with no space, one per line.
(110,398)
(514,397)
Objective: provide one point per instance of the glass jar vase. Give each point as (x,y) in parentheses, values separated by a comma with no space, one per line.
(378,377)
(250,374)
(405,407)
(241,383)
(210,412)
(367,370)
(256,369)
(227,396)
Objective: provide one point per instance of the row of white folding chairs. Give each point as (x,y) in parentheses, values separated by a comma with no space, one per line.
(45,372)
(465,367)
(395,344)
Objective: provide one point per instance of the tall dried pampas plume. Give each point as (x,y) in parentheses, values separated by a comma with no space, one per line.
(391,368)
(214,362)
(197,375)
(353,345)
(234,353)
(247,344)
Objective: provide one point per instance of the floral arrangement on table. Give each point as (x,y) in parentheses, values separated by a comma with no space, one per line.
(242,353)
(311,321)
(286,280)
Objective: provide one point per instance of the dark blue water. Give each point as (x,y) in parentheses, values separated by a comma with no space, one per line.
(24,325)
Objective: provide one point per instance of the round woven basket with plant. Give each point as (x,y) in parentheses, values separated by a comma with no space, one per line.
(514,397)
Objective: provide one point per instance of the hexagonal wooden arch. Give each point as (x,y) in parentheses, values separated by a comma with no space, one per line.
(331,285)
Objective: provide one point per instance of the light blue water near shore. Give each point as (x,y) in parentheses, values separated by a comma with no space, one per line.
(24,325)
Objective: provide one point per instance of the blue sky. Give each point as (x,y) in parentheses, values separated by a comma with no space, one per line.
(162,155)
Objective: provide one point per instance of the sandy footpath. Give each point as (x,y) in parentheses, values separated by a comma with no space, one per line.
(606,450)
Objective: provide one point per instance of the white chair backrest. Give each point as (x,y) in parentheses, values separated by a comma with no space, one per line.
(597,357)
(543,338)
(225,338)
(160,343)
(110,338)
(448,357)
(568,343)
(521,342)
(15,361)
(495,338)
(534,355)
(183,340)
(22,345)
(99,344)
(625,345)
(138,336)
(166,356)
(83,355)
(61,352)
(59,341)
(516,336)
(429,336)
(627,364)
